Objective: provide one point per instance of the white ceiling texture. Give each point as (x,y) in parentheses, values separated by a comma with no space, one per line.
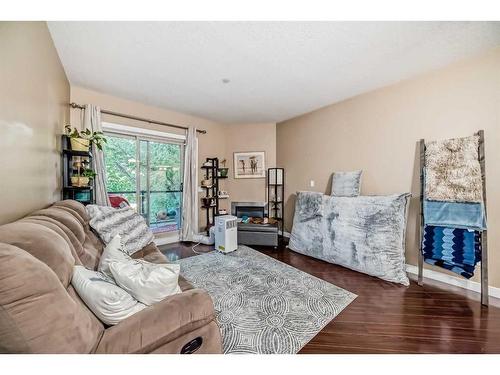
(276,70)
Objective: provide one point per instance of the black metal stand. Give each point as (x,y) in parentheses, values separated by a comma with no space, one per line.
(484,233)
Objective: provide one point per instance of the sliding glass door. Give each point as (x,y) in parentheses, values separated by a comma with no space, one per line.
(147,173)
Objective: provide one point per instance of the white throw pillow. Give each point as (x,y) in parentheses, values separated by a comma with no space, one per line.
(112,252)
(110,303)
(147,282)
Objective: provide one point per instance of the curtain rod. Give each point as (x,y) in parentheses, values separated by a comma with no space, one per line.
(74,105)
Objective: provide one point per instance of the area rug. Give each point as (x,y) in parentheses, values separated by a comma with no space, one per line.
(262,305)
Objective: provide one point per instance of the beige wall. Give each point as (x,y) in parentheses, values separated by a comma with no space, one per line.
(249,137)
(33,96)
(220,141)
(378,132)
(211,144)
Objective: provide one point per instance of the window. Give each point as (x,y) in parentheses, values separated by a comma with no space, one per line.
(147,173)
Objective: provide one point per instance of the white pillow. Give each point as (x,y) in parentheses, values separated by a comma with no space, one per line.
(110,303)
(112,252)
(147,282)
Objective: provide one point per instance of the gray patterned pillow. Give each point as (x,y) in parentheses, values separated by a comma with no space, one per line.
(109,221)
(346,184)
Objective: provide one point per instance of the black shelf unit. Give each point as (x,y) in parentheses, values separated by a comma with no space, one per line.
(211,174)
(276,196)
(82,194)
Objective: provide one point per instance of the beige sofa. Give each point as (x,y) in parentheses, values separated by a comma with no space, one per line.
(40,311)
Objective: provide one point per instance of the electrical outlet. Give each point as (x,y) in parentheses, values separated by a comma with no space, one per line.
(311,183)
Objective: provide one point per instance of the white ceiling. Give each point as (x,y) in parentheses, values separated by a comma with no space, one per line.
(277,70)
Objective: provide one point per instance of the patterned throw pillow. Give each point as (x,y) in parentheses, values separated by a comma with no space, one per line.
(132,228)
(346,184)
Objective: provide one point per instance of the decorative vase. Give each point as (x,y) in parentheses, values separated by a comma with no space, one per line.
(79,144)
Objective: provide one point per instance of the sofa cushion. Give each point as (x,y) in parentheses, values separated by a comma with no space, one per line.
(64,218)
(44,244)
(62,230)
(150,253)
(37,315)
(76,208)
(92,250)
(92,246)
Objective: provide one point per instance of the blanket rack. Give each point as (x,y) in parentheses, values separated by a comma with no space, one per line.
(484,233)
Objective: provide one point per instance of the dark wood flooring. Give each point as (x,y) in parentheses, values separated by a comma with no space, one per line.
(388,318)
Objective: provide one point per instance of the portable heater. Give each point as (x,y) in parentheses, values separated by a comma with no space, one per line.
(226,233)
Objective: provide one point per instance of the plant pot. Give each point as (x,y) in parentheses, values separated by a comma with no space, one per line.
(79,144)
(223,172)
(80,181)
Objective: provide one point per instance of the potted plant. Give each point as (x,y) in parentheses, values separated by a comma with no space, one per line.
(223,171)
(81,140)
(83,179)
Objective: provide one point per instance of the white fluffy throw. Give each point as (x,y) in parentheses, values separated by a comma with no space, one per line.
(452,170)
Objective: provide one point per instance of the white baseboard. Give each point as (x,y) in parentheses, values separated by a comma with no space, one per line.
(447,279)
(444,278)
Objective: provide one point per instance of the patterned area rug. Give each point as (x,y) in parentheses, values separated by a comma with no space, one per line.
(262,305)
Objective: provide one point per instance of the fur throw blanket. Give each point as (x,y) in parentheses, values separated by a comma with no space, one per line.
(452,170)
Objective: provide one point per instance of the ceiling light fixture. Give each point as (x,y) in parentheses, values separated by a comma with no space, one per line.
(225,80)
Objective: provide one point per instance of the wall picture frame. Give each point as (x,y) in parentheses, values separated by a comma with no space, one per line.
(250,164)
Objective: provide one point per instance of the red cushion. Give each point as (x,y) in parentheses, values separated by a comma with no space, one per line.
(118,201)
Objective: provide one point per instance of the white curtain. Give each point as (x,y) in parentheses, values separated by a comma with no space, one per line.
(189,227)
(92,121)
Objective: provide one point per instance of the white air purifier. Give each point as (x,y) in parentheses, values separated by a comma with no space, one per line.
(226,233)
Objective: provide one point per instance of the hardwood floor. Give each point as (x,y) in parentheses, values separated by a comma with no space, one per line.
(388,318)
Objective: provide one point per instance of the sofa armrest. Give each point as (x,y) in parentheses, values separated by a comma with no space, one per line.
(159,324)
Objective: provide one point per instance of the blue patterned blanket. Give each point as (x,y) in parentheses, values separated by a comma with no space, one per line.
(455,249)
